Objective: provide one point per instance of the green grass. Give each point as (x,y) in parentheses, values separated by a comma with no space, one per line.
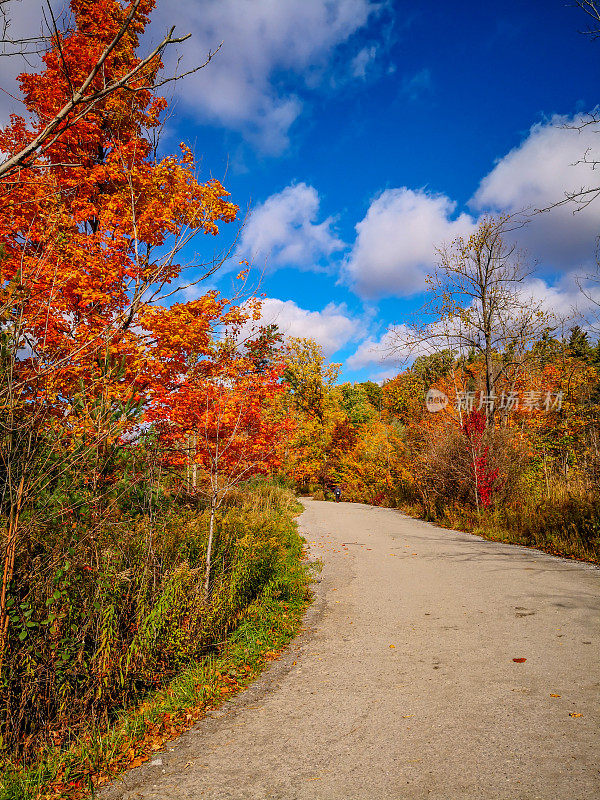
(570,529)
(99,754)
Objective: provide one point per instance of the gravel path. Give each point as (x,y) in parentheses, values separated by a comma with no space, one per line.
(403,685)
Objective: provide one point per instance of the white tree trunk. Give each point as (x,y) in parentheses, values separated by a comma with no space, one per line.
(211,528)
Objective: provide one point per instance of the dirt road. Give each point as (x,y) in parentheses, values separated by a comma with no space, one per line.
(404,684)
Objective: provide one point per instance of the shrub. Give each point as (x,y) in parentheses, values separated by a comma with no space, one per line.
(98,616)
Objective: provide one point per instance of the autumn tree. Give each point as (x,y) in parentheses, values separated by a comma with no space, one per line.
(91,236)
(430,368)
(355,401)
(403,397)
(91,233)
(220,421)
(311,401)
(309,378)
(480,305)
(374,470)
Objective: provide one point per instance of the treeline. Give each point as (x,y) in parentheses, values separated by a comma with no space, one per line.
(522,465)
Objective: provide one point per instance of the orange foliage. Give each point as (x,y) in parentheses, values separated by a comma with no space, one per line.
(91,234)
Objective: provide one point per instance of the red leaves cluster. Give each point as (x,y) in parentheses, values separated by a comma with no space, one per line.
(485,477)
(222,416)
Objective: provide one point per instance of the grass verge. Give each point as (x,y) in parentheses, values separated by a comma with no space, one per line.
(98,755)
(568,528)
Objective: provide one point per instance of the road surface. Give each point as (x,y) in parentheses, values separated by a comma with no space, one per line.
(403,685)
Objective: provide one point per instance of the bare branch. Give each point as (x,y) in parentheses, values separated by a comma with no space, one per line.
(85,99)
(591,8)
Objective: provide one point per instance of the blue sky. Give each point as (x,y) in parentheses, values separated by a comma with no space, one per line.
(363,134)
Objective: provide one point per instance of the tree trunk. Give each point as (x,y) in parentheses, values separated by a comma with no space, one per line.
(489,386)
(9,566)
(194,465)
(211,528)
(475,479)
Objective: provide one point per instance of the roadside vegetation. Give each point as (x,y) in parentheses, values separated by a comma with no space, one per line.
(190,655)
(142,541)
(530,475)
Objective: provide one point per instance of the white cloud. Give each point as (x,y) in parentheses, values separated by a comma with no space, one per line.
(565,299)
(332,327)
(263,42)
(396,242)
(391,352)
(537,174)
(379,352)
(284,231)
(362,61)
(244,87)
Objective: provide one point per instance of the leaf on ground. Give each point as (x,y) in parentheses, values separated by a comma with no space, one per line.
(137,762)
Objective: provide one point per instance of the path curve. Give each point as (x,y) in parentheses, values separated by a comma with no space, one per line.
(403,685)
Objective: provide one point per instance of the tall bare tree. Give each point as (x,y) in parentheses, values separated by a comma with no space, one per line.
(480,305)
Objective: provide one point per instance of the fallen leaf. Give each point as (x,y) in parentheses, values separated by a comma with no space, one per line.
(519,660)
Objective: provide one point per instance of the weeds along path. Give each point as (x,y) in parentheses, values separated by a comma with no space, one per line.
(404,684)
